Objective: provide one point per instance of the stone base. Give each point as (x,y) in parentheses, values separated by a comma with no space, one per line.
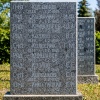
(88,79)
(43,97)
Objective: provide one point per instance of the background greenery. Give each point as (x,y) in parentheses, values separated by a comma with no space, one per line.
(97,47)
(83,9)
(4,31)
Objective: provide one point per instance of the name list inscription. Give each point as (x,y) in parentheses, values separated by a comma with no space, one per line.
(43,48)
(86,46)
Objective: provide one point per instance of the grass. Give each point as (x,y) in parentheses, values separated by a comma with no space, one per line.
(4,79)
(98,71)
(89,91)
(5,67)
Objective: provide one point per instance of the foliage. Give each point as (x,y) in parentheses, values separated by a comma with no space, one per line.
(97,27)
(83,10)
(5,1)
(4,31)
(97,16)
(98,47)
(98,71)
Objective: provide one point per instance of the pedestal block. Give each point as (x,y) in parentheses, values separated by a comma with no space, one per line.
(43,97)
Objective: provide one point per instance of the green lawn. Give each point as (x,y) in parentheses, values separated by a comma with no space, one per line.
(89,91)
(4,79)
(98,71)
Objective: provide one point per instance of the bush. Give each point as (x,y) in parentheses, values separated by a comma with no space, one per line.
(98,47)
(4,46)
(4,36)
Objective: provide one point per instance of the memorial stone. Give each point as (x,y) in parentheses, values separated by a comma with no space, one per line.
(86,51)
(43,51)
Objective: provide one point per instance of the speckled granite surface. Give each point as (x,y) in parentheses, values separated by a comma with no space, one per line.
(88,79)
(43,97)
(43,48)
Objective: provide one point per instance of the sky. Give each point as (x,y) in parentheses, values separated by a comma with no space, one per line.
(93,4)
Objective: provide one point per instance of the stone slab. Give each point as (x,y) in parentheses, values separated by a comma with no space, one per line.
(82,79)
(43,48)
(86,46)
(86,50)
(43,97)
(44,1)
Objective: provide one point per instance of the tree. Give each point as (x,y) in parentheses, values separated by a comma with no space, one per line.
(4,31)
(97,17)
(97,27)
(97,47)
(83,10)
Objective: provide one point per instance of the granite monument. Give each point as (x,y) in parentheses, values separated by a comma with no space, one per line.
(86,50)
(43,50)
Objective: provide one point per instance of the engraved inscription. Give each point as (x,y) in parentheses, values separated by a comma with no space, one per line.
(86,46)
(43,48)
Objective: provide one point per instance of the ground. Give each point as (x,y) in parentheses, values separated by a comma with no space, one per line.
(89,91)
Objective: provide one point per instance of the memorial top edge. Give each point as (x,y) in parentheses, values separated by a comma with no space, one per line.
(86,17)
(44,1)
